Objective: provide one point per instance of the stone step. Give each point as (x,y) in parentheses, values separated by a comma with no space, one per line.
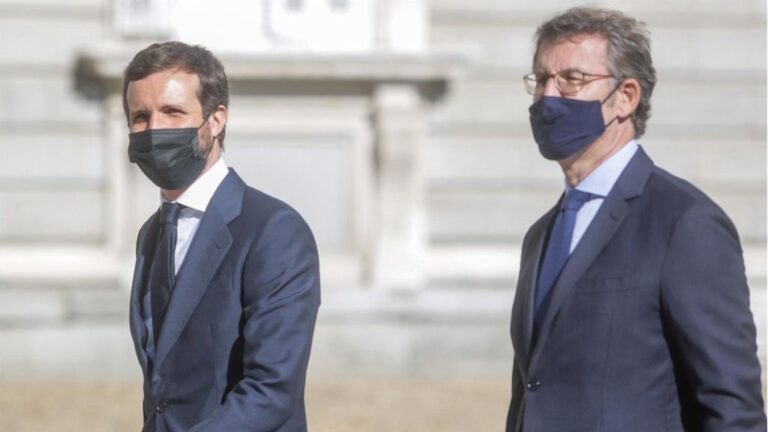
(732,103)
(24,305)
(38,102)
(482,266)
(688,34)
(41,216)
(692,8)
(95,348)
(438,331)
(65,265)
(28,38)
(513,155)
(55,155)
(505,211)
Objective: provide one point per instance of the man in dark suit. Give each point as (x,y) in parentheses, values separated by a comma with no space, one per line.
(632,308)
(226,285)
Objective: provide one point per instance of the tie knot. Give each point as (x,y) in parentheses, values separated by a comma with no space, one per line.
(575,199)
(169,213)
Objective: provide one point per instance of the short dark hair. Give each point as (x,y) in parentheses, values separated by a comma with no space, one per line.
(158,57)
(629,48)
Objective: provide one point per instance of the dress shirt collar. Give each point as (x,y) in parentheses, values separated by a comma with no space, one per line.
(199,193)
(601,180)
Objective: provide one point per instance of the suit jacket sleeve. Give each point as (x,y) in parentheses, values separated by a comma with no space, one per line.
(705,301)
(281,296)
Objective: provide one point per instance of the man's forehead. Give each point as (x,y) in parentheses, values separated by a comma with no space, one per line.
(169,83)
(173,77)
(579,48)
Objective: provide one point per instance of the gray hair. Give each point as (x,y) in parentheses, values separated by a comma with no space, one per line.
(629,48)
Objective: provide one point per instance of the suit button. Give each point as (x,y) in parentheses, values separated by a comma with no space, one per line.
(161,406)
(533,385)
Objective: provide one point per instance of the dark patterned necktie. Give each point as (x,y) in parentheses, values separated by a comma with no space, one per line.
(163,275)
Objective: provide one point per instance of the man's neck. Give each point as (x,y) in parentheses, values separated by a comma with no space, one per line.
(173,195)
(579,166)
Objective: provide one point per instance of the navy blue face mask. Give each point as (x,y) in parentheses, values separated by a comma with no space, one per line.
(563,126)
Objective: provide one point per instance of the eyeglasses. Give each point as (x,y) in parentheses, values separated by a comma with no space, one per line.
(568,82)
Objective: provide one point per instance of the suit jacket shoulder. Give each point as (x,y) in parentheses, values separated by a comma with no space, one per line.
(677,194)
(261,211)
(672,200)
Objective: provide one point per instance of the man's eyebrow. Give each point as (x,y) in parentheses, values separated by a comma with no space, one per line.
(140,111)
(571,70)
(541,71)
(173,106)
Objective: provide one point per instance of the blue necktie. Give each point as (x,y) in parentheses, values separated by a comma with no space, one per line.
(559,245)
(163,272)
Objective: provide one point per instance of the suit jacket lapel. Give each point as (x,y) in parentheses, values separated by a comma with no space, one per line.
(522,310)
(143,261)
(209,246)
(602,228)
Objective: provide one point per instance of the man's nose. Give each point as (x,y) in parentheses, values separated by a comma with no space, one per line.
(156,122)
(550,87)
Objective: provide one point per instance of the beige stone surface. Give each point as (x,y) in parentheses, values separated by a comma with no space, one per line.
(345,405)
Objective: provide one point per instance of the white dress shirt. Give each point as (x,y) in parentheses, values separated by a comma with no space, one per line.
(195,200)
(600,182)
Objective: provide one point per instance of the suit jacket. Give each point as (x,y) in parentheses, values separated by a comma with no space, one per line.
(648,328)
(233,349)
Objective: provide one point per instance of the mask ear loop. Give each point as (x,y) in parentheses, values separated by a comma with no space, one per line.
(210,147)
(608,97)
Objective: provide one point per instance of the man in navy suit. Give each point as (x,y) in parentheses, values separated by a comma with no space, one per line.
(226,286)
(632,308)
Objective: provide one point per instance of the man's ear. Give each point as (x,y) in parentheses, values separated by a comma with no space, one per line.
(628,97)
(217,120)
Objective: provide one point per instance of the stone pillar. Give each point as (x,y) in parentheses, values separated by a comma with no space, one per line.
(121,210)
(401,237)
(115,141)
(402,26)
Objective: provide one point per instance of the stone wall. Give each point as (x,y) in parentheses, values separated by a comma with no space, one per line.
(64,273)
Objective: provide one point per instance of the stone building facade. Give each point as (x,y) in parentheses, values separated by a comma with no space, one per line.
(407,147)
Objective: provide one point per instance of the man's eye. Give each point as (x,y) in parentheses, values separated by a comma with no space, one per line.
(573,78)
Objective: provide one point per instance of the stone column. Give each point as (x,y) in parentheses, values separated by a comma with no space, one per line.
(401,235)
(402,25)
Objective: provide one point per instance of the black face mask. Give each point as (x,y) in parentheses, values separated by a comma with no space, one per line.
(171,158)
